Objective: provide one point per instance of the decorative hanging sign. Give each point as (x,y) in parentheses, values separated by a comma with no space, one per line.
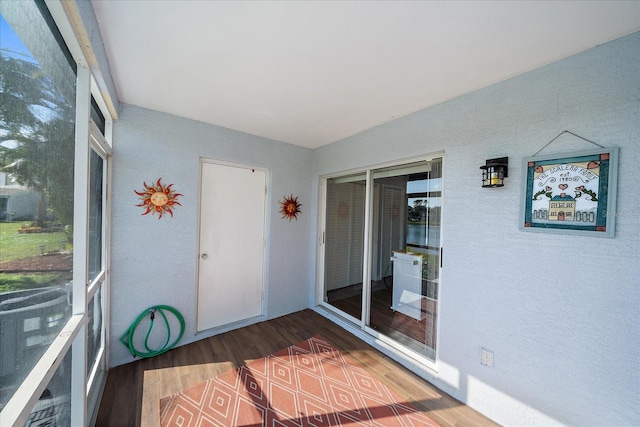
(573,193)
(158,198)
(290,208)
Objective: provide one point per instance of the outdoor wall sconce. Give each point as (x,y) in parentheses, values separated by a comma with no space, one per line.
(494,172)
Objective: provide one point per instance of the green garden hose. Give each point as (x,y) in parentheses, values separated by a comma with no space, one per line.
(127,337)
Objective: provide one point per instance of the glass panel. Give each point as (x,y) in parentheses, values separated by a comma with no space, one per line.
(406,254)
(54,406)
(37,114)
(97,116)
(344,243)
(96,177)
(94,329)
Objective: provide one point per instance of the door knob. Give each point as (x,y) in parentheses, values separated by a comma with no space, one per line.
(204,256)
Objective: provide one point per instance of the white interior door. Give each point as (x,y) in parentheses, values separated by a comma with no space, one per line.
(232,221)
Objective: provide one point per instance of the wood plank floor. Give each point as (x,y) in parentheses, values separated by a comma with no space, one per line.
(133,390)
(416,333)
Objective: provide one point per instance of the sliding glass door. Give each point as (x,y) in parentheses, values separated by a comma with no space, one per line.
(403,297)
(344,243)
(391,286)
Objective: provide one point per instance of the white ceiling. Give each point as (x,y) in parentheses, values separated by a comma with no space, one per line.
(311,73)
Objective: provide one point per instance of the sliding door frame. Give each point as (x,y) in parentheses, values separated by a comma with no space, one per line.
(380,340)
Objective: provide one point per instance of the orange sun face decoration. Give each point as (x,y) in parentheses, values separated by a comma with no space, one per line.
(158,198)
(290,208)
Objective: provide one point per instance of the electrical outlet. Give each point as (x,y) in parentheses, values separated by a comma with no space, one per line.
(486,357)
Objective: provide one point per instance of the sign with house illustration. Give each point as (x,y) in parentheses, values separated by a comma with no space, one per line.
(574,193)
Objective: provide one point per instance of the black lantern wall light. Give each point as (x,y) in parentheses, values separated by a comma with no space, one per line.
(494,172)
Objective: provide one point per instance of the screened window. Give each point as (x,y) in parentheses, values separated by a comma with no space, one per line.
(50,306)
(96,178)
(37,140)
(54,405)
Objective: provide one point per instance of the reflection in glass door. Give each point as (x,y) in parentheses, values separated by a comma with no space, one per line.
(401,293)
(406,254)
(344,243)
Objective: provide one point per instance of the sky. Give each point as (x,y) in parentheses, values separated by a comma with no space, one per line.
(10,43)
(12,46)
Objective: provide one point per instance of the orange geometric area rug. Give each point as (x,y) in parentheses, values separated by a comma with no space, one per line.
(308,384)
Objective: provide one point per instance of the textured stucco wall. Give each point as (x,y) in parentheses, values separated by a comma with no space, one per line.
(154,261)
(560,312)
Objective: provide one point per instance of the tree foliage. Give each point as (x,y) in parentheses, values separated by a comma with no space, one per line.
(37,128)
(421,212)
(417,212)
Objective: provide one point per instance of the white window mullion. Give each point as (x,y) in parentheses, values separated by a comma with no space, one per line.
(106,287)
(97,375)
(81,245)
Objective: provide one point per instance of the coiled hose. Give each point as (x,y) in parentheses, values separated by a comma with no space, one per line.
(127,337)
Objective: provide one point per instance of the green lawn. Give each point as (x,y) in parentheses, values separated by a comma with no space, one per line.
(14,245)
(18,282)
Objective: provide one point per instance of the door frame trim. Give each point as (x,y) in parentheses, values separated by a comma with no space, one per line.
(265,251)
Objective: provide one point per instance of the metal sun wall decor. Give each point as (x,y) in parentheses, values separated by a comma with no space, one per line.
(572,193)
(290,208)
(158,198)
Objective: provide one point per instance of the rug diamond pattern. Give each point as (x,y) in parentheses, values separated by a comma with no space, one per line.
(308,384)
(220,402)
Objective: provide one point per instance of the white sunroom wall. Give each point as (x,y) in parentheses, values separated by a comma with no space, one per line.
(560,312)
(154,260)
